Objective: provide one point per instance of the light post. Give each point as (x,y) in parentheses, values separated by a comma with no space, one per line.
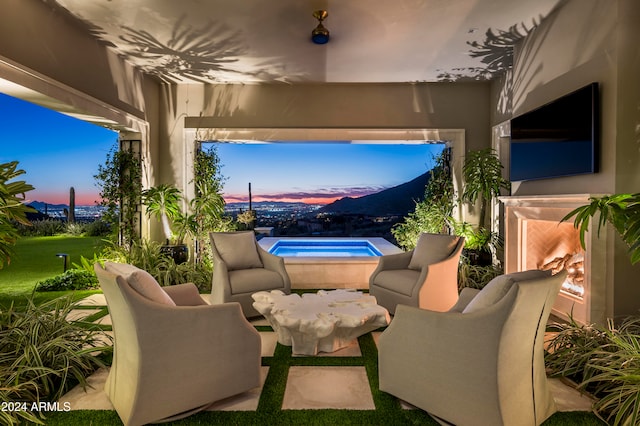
(64,257)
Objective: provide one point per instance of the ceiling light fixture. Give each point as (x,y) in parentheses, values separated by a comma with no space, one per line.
(320,35)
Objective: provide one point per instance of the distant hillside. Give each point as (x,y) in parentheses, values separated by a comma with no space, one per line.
(399,200)
(40,206)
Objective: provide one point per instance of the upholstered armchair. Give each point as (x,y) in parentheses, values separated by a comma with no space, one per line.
(241,267)
(481,363)
(425,277)
(174,354)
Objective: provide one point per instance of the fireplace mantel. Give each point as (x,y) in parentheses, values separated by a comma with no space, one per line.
(562,200)
(519,211)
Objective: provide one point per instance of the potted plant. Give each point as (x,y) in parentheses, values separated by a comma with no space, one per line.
(482,173)
(620,210)
(247,218)
(164,202)
(479,243)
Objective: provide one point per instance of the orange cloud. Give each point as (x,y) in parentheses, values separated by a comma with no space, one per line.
(327,196)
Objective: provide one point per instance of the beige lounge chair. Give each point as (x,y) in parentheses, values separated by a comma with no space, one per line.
(173,353)
(425,277)
(481,363)
(241,267)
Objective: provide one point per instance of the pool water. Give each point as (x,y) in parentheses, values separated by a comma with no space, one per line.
(324,248)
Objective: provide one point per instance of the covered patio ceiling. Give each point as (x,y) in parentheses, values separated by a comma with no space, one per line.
(219,41)
(252,41)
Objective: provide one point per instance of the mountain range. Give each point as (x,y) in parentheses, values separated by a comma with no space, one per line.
(398,200)
(41,206)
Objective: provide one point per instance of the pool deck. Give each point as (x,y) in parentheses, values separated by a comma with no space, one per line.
(331,272)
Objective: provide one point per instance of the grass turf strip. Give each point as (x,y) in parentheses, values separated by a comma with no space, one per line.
(388,410)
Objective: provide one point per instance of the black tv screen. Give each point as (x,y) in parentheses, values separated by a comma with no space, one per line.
(560,138)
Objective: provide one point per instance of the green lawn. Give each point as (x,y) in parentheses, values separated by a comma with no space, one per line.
(35,260)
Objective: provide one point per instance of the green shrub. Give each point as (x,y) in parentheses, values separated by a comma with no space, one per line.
(144,254)
(199,274)
(43,355)
(73,279)
(75,228)
(615,375)
(147,255)
(476,276)
(14,392)
(433,213)
(605,363)
(571,348)
(97,228)
(42,228)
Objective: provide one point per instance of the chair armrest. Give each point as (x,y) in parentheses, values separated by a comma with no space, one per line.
(276,264)
(270,261)
(220,286)
(466,295)
(437,285)
(185,294)
(438,282)
(394,261)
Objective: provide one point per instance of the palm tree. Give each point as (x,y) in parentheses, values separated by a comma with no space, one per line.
(163,201)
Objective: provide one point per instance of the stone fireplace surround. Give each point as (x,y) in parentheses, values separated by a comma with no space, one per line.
(534,236)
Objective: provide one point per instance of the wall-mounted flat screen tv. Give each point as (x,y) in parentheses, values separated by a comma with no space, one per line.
(560,138)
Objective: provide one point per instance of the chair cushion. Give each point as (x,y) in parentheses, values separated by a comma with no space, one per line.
(237,249)
(398,280)
(253,280)
(432,248)
(141,281)
(498,287)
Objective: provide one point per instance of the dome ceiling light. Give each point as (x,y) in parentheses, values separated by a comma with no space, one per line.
(320,35)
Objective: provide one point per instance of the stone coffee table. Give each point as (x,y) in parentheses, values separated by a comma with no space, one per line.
(322,322)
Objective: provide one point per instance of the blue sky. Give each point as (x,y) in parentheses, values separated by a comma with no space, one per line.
(58,152)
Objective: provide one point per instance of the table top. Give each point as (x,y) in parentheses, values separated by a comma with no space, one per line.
(345,304)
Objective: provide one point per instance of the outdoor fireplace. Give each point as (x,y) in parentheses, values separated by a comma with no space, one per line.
(535,238)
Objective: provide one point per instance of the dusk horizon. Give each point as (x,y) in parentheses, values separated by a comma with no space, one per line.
(306,198)
(320,172)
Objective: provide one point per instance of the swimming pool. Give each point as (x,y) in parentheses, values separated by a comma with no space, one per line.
(324,248)
(330,263)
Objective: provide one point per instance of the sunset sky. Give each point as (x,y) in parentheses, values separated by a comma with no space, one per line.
(58,152)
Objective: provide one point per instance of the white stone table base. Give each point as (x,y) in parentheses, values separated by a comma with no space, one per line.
(322,322)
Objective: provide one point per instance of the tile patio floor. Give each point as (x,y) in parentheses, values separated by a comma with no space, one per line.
(308,387)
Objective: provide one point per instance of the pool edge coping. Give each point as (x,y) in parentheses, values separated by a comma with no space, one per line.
(383,246)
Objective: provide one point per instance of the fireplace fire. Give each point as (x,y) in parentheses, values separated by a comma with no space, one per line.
(535,238)
(574,265)
(550,245)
